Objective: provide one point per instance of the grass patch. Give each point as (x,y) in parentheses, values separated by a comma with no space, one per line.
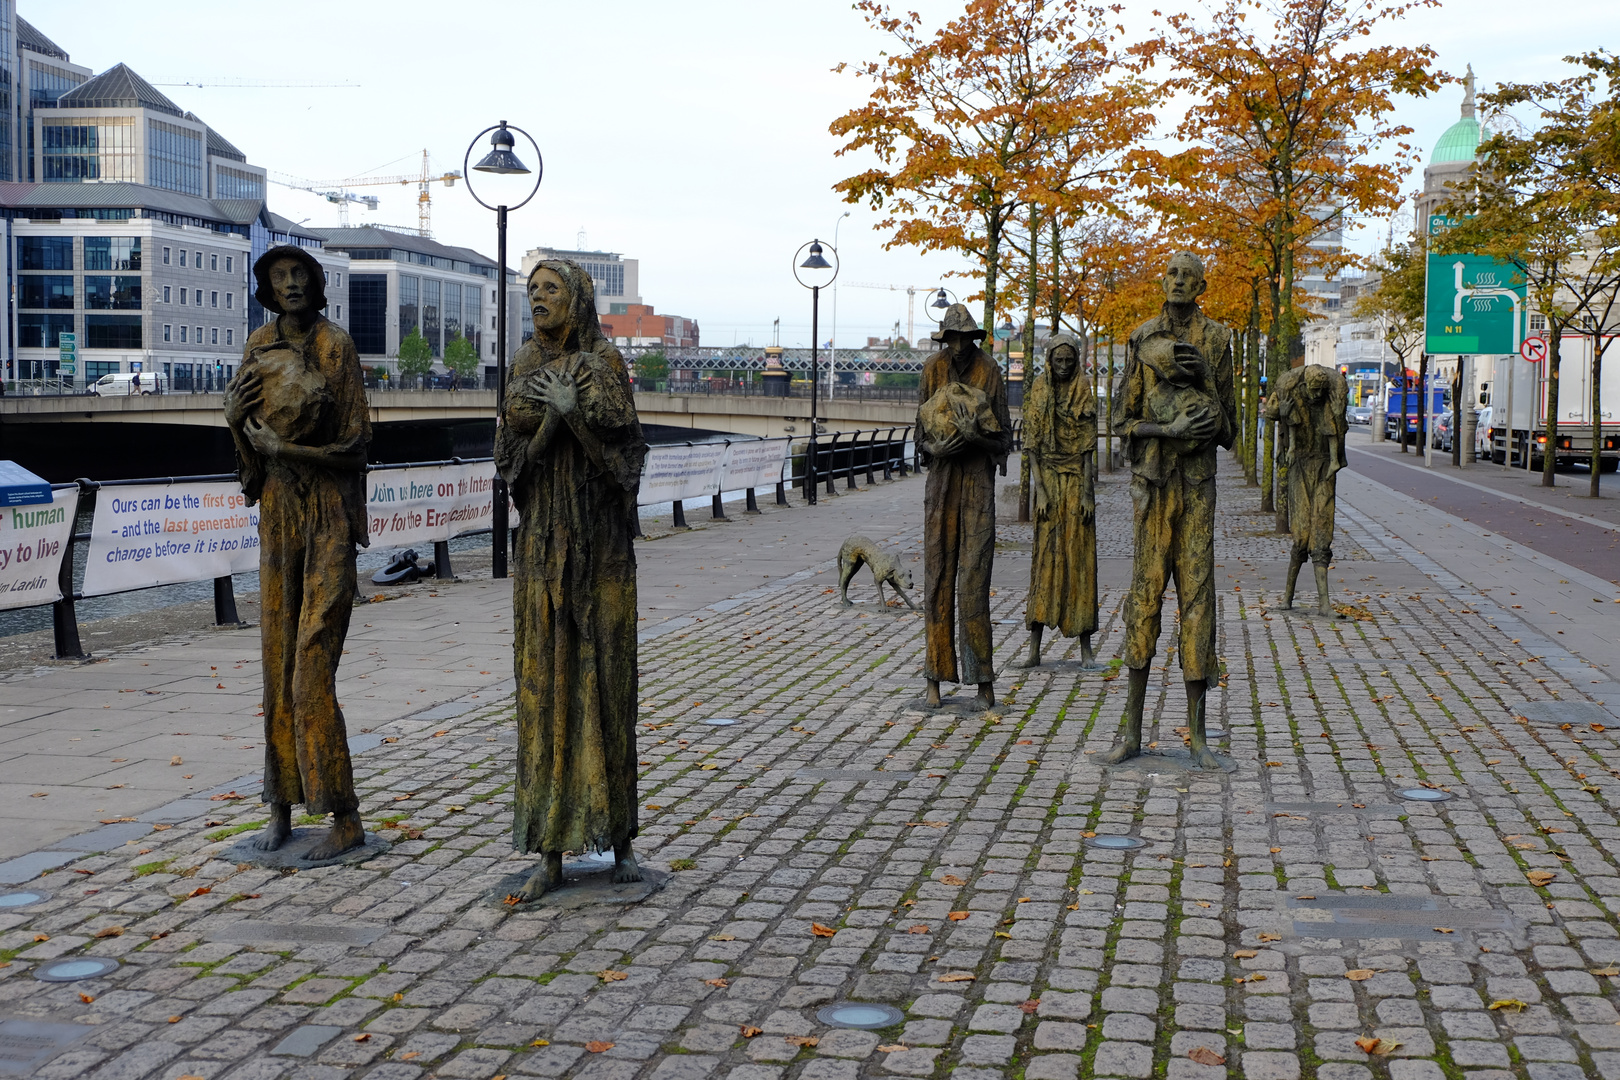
(232,830)
(152,868)
(310,819)
(683,864)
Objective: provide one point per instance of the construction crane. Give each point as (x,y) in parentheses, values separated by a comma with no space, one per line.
(245,84)
(341,198)
(911,292)
(424,201)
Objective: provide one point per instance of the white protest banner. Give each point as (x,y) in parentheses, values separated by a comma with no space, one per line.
(426,505)
(32,541)
(162,534)
(681,472)
(753,464)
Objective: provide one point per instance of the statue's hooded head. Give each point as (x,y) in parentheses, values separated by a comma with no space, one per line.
(561,294)
(1062,357)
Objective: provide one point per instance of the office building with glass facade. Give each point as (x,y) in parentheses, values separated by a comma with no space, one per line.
(119,128)
(402,282)
(43,74)
(129,224)
(617,279)
(144,280)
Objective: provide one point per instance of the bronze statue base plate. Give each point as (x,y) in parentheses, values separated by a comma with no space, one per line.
(964,704)
(1178,759)
(586,882)
(1065,666)
(871,607)
(290,855)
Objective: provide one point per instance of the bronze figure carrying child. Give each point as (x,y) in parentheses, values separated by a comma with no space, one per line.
(297,413)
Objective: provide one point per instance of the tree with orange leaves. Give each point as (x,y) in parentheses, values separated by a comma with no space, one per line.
(986,116)
(1287,111)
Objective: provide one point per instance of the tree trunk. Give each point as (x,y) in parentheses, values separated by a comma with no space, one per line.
(1034,288)
(1597,414)
(1269,454)
(1029,352)
(1057,286)
(1252,391)
(1108,447)
(1549,456)
(1238,446)
(1423,407)
(992,259)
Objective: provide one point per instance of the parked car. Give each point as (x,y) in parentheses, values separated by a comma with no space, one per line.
(1441,437)
(1359,414)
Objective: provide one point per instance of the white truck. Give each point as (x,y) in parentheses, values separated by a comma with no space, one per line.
(125,385)
(1517,395)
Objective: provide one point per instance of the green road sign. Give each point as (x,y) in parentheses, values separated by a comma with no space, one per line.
(67,369)
(67,348)
(1473,304)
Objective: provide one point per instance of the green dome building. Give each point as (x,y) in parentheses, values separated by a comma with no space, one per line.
(1452,157)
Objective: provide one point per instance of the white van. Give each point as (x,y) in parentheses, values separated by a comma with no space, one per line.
(123,385)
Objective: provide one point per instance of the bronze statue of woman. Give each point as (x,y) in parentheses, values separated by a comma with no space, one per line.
(571,449)
(297,413)
(1060,434)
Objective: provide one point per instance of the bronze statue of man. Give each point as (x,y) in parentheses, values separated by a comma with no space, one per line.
(570,446)
(1308,403)
(1060,436)
(297,413)
(963,433)
(1175,407)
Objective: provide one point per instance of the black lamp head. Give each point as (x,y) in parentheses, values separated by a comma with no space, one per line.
(501,160)
(815,261)
(940,301)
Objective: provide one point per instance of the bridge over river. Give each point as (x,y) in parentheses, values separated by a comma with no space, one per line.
(61,437)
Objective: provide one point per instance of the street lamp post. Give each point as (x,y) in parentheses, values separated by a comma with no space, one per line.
(501,161)
(822,274)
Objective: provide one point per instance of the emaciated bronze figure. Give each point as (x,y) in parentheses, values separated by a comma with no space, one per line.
(1308,403)
(571,448)
(1176,406)
(1060,435)
(964,432)
(297,413)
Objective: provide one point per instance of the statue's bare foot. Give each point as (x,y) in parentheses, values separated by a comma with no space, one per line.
(987,695)
(1088,659)
(625,867)
(1205,758)
(546,877)
(345,834)
(1030,661)
(932,699)
(274,834)
(1121,752)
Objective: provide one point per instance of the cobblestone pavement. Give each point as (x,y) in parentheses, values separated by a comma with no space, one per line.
(1296,916)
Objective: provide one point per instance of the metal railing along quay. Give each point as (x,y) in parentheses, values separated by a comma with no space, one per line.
(806,464)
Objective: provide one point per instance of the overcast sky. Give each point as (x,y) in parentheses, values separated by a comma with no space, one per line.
(692,136)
